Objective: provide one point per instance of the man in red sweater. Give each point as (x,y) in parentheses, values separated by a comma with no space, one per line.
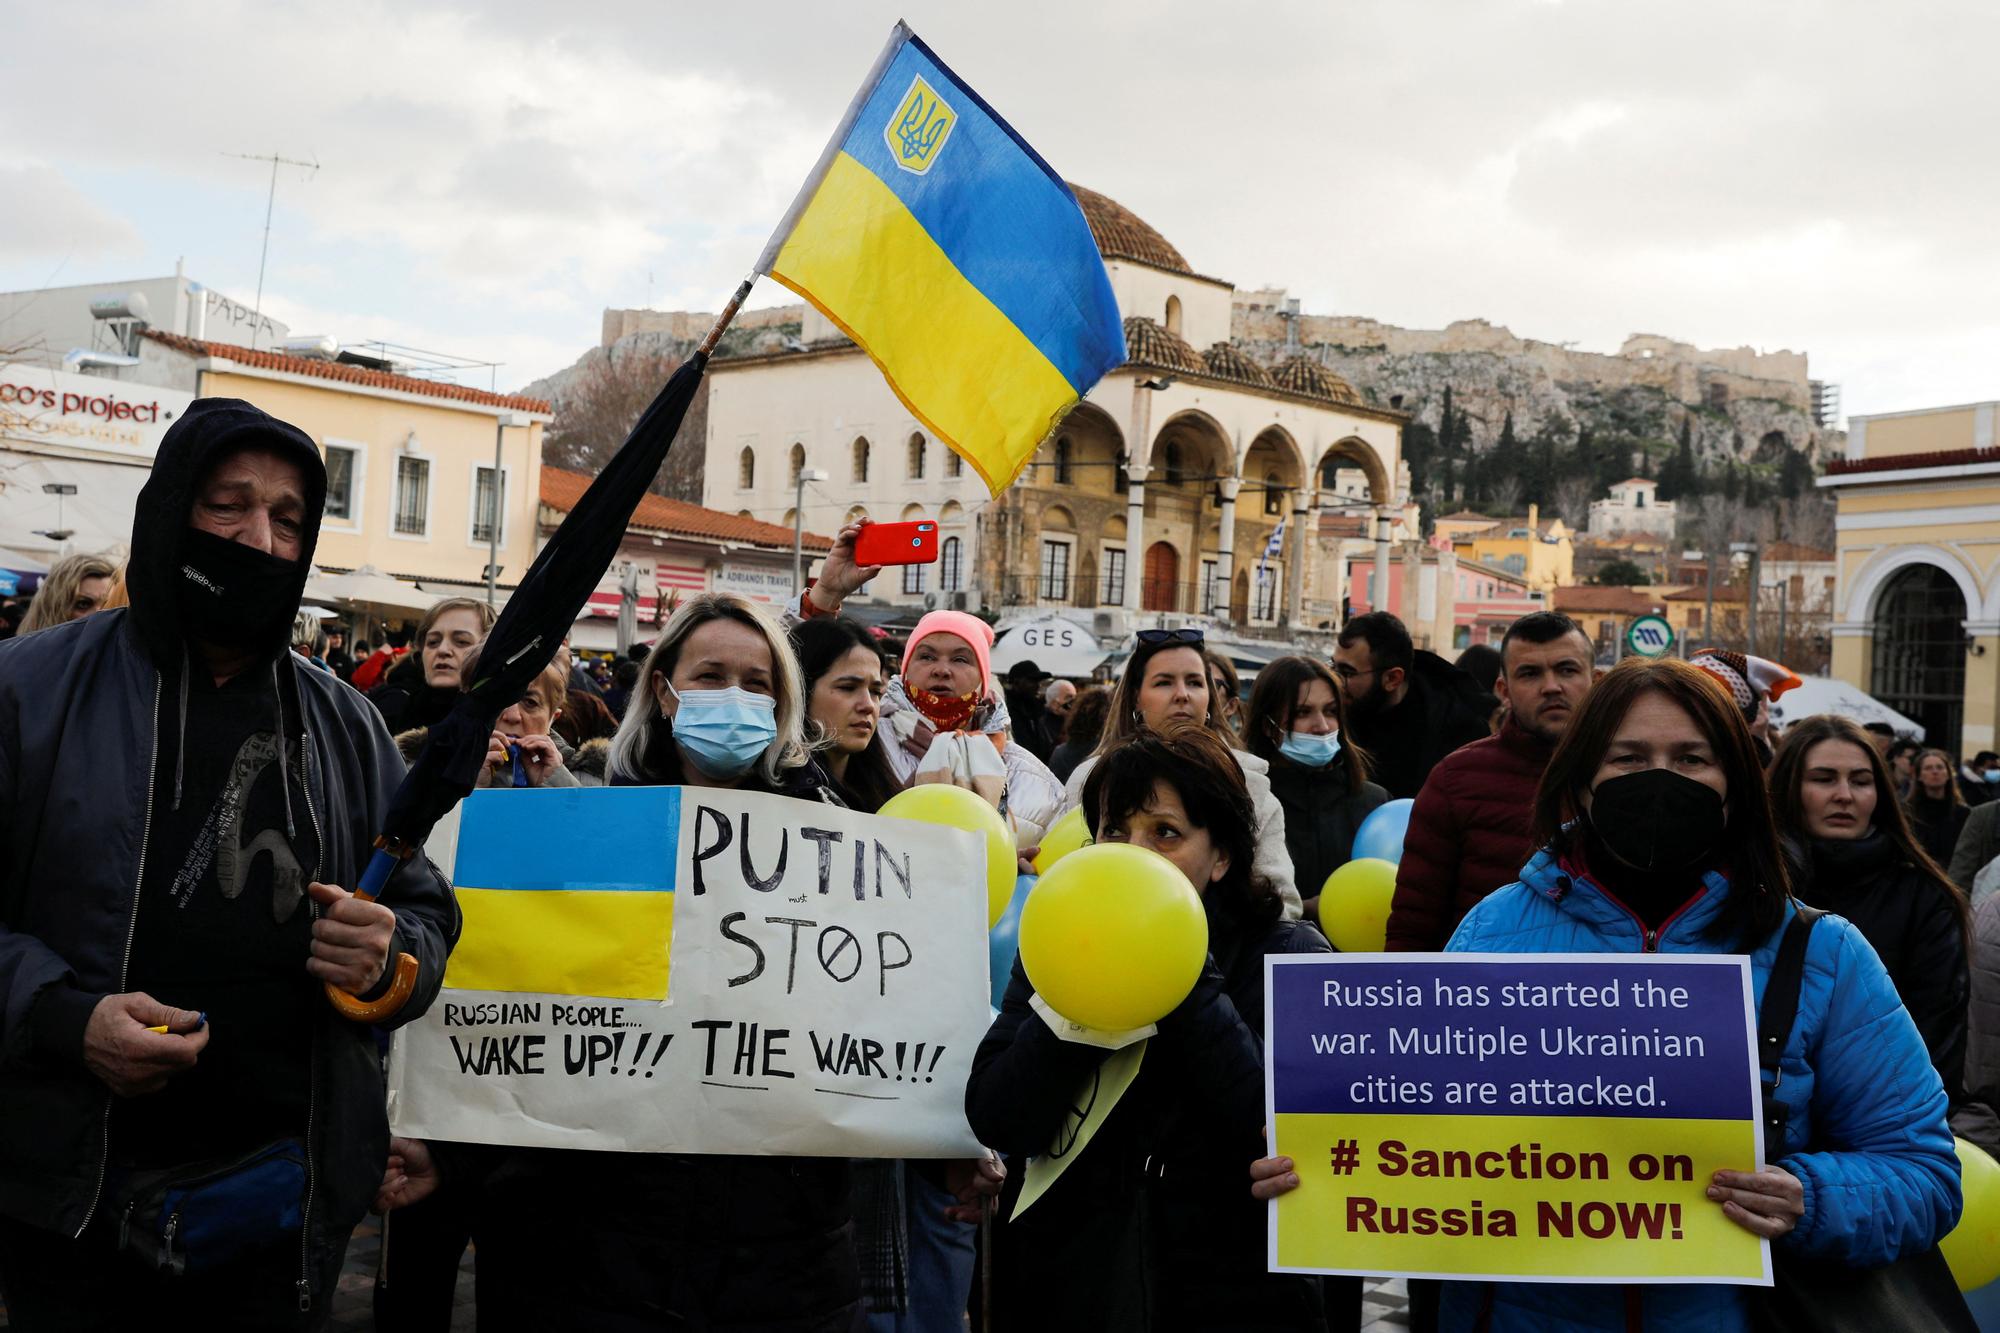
(1468,831)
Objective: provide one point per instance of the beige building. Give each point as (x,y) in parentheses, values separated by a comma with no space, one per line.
(1186,484)
(411,487)
(1537,549)
(1633,507)
(1916,618)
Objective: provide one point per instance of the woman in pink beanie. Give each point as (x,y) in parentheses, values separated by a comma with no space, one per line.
(943,719)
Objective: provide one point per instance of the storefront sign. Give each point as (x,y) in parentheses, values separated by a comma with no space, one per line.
(771,584)
(84,412)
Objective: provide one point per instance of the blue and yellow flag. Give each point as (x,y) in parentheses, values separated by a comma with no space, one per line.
(588,911)
(938,240)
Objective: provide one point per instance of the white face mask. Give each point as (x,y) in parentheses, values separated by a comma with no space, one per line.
(1310,749)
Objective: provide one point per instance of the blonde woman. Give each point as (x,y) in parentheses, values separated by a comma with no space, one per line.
(75,586)
(722,1242)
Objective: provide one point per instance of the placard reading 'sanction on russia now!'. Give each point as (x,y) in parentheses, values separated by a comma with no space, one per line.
(1527,1117)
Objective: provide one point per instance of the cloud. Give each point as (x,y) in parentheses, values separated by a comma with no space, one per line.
(1808,175)
(46,217)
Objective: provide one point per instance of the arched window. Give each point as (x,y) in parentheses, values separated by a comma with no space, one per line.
(951,565)
(746,469)
(1274,494)
(916,457)
(861,459)
(798,463)
(1172,458)
(1063,463)
(854,515)
(954,466)
(1173,314)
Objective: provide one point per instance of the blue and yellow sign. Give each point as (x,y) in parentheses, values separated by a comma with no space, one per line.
(1551,1117)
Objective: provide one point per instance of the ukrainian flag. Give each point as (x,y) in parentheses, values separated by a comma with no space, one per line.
(567,891)
(938,240)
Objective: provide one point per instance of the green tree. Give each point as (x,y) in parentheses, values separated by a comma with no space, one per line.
(1679,476)
(1621,574)
(1795,478)
(1731,481)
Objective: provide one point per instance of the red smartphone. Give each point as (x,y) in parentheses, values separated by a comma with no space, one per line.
(897,544)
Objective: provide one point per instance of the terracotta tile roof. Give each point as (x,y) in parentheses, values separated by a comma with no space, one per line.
(1122,234)
(1148,344)
(1897,462)
(1589,599)
(561,489)
(346,374)
(1467,516)
(1793,552)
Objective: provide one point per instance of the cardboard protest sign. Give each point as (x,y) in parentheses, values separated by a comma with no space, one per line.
(680,969)
(1531,1117)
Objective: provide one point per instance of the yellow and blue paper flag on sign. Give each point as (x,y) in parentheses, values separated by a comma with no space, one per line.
(564,895)
(956,257)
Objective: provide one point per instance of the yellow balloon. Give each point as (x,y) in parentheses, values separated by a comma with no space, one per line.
(1354,905)
(1973,1247)
(1064,836)
(1113,937)
(955,807)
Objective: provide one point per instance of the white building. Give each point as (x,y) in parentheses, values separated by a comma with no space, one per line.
(1160,495)
(1634,507)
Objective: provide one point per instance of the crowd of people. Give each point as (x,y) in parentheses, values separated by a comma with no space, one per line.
(191,775)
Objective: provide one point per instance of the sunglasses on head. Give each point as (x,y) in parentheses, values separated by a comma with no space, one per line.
(1185,634)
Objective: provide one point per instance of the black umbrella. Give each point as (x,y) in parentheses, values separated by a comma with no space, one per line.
(521,645)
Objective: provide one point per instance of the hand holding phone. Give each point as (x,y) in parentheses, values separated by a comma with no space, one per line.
(897,544)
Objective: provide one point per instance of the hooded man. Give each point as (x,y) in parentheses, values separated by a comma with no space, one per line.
(181,795)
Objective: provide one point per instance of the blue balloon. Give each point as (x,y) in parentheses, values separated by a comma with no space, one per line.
(1004,940)
(1381,834)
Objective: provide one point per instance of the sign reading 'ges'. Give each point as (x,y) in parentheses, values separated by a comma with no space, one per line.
(39,406)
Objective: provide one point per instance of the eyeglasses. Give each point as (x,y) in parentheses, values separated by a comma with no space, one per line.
(1346,672)
(1185,634)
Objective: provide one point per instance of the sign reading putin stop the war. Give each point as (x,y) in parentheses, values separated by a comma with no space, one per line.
(1527,1117)
(685,969)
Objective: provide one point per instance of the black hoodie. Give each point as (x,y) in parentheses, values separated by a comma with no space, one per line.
(223,926)
(86,711)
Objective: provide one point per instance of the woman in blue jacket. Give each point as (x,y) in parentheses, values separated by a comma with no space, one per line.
(1658,837)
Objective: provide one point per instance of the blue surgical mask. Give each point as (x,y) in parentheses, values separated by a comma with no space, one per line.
(1313,751)
(1992,775)
(725,731)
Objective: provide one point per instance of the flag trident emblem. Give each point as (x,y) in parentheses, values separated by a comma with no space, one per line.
(916,133)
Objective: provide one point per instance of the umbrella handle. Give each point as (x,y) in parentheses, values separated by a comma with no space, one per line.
(390,1002)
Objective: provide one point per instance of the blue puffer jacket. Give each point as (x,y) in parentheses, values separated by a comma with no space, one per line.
(1855,1073)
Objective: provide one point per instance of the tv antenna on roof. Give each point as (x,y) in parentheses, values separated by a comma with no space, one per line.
(257,315)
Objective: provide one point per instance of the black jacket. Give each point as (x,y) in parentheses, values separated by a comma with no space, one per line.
(405,701)
(1175,1151)
(649,1241)
(82,708)
(1443,709)
(1321,816)
(1915,927)
(1937,824)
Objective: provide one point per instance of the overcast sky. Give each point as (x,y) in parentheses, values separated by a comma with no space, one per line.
(1818,176)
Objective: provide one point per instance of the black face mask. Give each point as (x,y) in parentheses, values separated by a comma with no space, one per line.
(1657,820)
(232,595)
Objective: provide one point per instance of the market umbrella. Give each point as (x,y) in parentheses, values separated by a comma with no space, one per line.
(1824,694)
(521,644)
(369,589)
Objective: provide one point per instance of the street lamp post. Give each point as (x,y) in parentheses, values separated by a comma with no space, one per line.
(500,425)
(806,474)
(1756,572)
(60,535)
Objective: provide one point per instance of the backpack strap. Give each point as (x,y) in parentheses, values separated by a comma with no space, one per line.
(1780,1010)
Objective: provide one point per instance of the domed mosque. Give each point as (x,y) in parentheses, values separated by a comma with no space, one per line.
(1185,487)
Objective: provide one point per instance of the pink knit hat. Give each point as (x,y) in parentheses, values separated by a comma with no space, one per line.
(966,626)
